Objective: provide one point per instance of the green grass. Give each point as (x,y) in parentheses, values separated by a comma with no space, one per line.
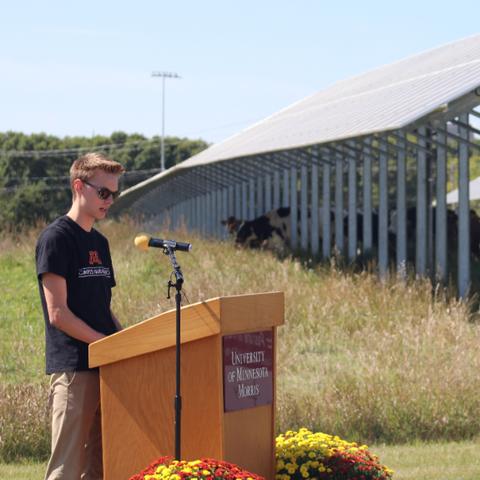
(22,471)
(21,357)
(444,461)
(365,360)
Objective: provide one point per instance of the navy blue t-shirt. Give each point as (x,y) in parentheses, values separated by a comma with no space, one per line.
(83,259)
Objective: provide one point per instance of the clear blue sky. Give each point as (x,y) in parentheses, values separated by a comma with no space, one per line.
(78,68)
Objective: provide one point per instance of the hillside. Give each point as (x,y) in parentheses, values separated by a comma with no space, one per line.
(361,359)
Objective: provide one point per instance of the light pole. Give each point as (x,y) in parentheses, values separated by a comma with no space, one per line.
(163,76)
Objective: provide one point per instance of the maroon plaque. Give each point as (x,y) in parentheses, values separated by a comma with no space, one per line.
(247,370)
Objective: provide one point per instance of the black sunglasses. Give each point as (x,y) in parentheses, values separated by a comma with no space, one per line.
(103,192)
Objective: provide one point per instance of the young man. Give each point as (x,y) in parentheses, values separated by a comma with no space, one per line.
(75,278)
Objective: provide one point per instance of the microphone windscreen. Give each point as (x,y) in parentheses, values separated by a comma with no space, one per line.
(141,242)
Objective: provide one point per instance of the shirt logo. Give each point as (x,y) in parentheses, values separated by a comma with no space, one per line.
(89,272)
(93,258)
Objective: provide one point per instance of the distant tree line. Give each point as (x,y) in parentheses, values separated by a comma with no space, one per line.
(34,169)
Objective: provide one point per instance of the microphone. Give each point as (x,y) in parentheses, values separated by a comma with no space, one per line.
(144,241)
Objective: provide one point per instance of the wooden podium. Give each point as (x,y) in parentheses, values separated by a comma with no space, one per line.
(227,386)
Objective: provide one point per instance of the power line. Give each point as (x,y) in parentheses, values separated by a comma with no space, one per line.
(70,151)
(221,127)
(28,180)
(129,145)
(78,150)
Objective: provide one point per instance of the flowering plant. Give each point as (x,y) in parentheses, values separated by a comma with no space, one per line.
(165,468)
(303,454)
(300,455)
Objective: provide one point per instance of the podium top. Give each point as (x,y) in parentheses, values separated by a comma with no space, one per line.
(221,315)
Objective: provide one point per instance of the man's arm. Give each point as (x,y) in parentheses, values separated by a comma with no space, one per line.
(60,316)
(115,321)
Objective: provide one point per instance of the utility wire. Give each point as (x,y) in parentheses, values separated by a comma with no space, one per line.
(63,183)
(129,145)
(132,145)
(131,173)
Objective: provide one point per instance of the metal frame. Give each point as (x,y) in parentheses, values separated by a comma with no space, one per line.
(302,178)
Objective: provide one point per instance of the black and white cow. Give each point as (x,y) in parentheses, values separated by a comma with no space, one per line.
(272,231)
(269,231)
(232,224)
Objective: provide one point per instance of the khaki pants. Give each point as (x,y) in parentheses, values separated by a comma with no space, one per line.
(76,432)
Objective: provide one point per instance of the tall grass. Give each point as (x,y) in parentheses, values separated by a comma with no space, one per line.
(366,360)
(24,422)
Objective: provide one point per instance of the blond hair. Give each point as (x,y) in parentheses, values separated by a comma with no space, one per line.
(84,167)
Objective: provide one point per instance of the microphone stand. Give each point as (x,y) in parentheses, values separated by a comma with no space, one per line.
(177,273)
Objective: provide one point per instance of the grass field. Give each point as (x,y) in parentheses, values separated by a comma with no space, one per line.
(369,361)
(448,461)
(22,471)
